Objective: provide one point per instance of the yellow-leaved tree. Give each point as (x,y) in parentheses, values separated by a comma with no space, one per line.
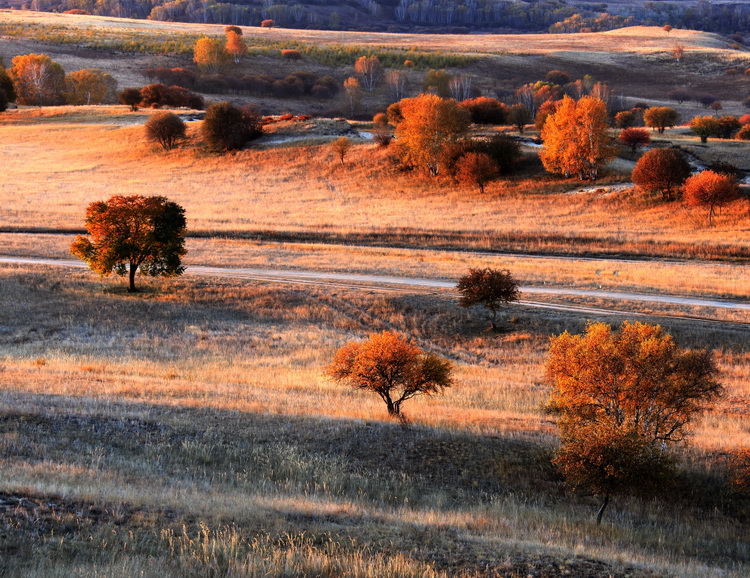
(210,54)
(429,124)
(576,138)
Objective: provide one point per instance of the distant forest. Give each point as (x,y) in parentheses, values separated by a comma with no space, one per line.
(422,15)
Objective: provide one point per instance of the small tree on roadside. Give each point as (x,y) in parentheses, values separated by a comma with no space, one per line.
(489,288)
(625,119)
(661,171)
(166,129)
(621,396)
(391,366)
(130,97)
(634,137)
(679,94)
(341,147)
(710,189)
(128,233)
(660,117)
(705,127)
(477,169)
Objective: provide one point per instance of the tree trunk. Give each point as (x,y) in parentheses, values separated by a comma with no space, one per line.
(133,269)
(600,513)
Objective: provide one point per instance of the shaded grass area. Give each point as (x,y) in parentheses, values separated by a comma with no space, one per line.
(188,431)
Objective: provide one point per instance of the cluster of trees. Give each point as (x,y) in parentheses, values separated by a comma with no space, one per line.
(431,138)
(225,127)
(37,80)
(159,95)
(666,171)
(295,85)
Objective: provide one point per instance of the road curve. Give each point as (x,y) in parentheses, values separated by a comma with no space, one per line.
(406,283)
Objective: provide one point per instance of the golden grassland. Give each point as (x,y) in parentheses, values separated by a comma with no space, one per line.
(57,165)
(190,430)
(636,39)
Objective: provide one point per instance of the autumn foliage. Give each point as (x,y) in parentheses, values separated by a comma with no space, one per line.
(710,189)
(391,366)
(477,169)
(576,138)
(428,124)
(620,397)
(89,86)
(133,232)
(38,80)
(661,171)
(634,137)
(660,117)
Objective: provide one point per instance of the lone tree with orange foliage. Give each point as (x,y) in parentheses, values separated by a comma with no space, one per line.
(235,45)
(133,232)
(391,366)
(710,189)
(661,171)
(621,396)
(428,125)
(489,288)
(576,138)
(476,168)
(341,146)
(634,137)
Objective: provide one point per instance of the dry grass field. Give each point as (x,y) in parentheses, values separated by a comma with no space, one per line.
(58,161)
(189,430)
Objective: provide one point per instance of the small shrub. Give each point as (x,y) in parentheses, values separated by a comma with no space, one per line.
(744,133)
(290,54)
(165,128)
(267,24)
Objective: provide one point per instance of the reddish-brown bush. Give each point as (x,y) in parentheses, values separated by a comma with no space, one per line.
(290,54)
(634,137)
(661,171)
(710,189)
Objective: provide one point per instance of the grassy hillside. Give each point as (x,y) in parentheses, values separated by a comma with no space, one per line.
(190,430)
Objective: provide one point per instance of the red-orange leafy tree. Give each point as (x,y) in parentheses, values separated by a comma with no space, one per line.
(634,137)
(476,169)
(661,171)
(391,366)
(621,396)
(710,189)
(133,232)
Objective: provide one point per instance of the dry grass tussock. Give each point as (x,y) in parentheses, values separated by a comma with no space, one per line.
(189,431)
(300,188)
